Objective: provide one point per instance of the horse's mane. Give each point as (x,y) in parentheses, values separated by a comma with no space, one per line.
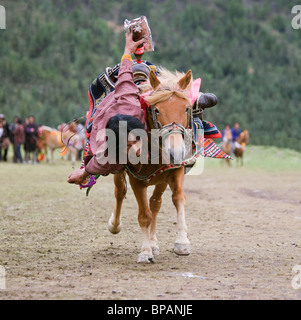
(168,86)
(46,128)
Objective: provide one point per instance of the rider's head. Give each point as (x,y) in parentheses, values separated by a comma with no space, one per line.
(140,72)
(130,125)
(236,125)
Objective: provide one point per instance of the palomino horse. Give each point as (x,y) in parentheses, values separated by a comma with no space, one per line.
(239,147)
(67,140)
(227,147)
(171,106)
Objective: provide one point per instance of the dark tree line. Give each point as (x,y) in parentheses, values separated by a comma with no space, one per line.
(246,52)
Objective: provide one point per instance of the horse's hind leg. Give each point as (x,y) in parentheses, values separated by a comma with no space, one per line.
(155,205)
(114,224)
(182,244)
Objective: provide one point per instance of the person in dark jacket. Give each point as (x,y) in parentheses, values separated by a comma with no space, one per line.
(18,140)
(4,137)
(31,136)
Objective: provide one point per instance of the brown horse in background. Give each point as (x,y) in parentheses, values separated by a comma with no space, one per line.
(243,140)
(171,105)
(67,140)
(227,147)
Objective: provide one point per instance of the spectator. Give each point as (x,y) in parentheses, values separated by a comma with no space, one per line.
(12,128)
(31,136)
(18,140)
(4,137)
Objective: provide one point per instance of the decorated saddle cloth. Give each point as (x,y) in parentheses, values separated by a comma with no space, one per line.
(210,149)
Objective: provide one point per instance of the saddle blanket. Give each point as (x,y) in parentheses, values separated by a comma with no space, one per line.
(213,151)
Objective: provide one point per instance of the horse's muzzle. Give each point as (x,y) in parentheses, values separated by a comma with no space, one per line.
(173,143)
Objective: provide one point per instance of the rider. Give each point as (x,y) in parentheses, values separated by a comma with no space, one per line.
(236,131)
(123,104)
(105,83)
(227,134)
(138,54)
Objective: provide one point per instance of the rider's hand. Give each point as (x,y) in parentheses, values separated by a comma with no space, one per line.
(78,176)
(130,45)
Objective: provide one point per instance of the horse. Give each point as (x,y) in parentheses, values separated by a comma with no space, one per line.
(170,109)
(67,140)
(239,146)
(227,148)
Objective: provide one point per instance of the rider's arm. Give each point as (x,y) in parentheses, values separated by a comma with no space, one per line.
(126,101)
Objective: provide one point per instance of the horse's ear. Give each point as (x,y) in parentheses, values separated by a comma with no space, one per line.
(154,81)
(184,82)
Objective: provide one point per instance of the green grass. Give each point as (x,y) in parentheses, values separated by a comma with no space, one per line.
(267,158)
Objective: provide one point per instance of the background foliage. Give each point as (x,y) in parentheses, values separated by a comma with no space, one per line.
(246,52)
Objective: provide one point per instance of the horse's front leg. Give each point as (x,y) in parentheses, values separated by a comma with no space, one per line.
(144,219)
(182,244)
(155,205)
(73,152)
(52,155)
(114,223)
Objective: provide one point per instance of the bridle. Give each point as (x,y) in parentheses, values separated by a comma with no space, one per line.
(171,128)
(164,132)
(154,123)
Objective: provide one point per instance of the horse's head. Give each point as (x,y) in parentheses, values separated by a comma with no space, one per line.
(245,137)
(171,107)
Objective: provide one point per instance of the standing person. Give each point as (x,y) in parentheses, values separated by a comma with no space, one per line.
(31,136)
(12,128)
(4,137)
(18,140)
(1,135)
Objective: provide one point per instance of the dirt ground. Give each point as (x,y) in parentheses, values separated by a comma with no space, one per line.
(244,228)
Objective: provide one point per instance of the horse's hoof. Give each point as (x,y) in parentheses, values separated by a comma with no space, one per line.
(182,249)
(145,258)
(114,229)
(155,250)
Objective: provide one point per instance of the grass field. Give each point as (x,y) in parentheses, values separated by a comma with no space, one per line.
(267,158)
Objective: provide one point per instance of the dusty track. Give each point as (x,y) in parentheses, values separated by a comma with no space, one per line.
(244,227)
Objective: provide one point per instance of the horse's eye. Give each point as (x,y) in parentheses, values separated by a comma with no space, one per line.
(187,109)
(157,111)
